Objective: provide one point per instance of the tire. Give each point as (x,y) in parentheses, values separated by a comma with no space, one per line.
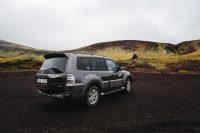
(92,96)
(128,85)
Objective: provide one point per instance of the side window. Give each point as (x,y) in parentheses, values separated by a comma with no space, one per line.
(111,64)
(84,63)
(99,64)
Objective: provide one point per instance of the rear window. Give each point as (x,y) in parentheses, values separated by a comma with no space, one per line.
(56,64)
(91,64)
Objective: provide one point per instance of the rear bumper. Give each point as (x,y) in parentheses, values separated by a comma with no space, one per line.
(58,95)
(71,91)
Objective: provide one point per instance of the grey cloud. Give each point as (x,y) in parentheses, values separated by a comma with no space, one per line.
(68,24)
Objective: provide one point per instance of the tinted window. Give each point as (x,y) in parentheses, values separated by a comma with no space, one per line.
(57,64)
(111,65)
(91,64)
(84,63)
(99,64)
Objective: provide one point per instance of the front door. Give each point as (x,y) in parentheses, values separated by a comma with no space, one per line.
(114,76)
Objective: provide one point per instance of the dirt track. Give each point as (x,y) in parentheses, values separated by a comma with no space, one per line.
(158,103)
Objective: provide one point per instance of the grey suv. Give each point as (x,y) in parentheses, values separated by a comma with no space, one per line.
(81,75)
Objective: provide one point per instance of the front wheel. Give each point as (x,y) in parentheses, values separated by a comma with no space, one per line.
(92,96)
(128,86)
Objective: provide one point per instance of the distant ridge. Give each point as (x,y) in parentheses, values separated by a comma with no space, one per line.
(181,48)
(6,46)
(135,55)
(130,45)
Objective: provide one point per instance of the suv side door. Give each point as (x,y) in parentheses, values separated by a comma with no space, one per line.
(100,69)
(115,76)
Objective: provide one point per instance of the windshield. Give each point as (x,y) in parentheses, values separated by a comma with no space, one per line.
(56,64)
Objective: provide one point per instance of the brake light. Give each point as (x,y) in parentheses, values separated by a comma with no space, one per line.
(70,79)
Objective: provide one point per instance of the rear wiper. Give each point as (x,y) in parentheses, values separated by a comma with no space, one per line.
(56,70)
(50,70)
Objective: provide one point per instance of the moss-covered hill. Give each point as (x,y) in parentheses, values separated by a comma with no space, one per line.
(147,56)
(8,49)
(15,56)
(150,56)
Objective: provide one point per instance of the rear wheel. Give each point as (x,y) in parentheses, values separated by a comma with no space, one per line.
(128,85)
(92,96)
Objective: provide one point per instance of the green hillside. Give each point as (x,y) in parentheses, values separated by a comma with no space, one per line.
(15,57)
(134,55)
(123,50)
(150,56)
(8,49)
(188,47)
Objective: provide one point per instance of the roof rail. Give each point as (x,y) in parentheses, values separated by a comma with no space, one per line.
(85,53)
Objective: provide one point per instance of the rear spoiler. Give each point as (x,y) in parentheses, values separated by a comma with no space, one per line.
(47,56)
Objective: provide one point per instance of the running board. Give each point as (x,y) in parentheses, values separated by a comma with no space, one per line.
(112,91)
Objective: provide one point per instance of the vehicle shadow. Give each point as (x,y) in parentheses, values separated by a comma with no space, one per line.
(116,97)
(76,105)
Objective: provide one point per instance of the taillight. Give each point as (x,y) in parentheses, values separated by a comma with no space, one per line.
(70,79)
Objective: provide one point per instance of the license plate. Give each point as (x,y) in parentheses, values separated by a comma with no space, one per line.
(44,81)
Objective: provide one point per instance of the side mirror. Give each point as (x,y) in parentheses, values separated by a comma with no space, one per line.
(119,67)
(115,69)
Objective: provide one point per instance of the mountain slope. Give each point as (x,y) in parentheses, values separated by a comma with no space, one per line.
(123,50)
(188,47)
(17,57)
(181,48)
(128,46)
(153,56)
(8,49)
(148,55)
(132,45)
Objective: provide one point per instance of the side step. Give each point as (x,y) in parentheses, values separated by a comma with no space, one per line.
(113,91)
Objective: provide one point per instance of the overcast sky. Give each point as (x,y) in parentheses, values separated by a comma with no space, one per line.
(68,24)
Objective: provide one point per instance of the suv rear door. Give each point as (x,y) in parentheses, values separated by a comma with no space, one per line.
(100,69)
(96,66)
(51,78)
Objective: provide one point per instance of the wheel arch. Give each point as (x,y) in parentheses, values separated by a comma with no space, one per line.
(91,83)
(131,79)
(125,79)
